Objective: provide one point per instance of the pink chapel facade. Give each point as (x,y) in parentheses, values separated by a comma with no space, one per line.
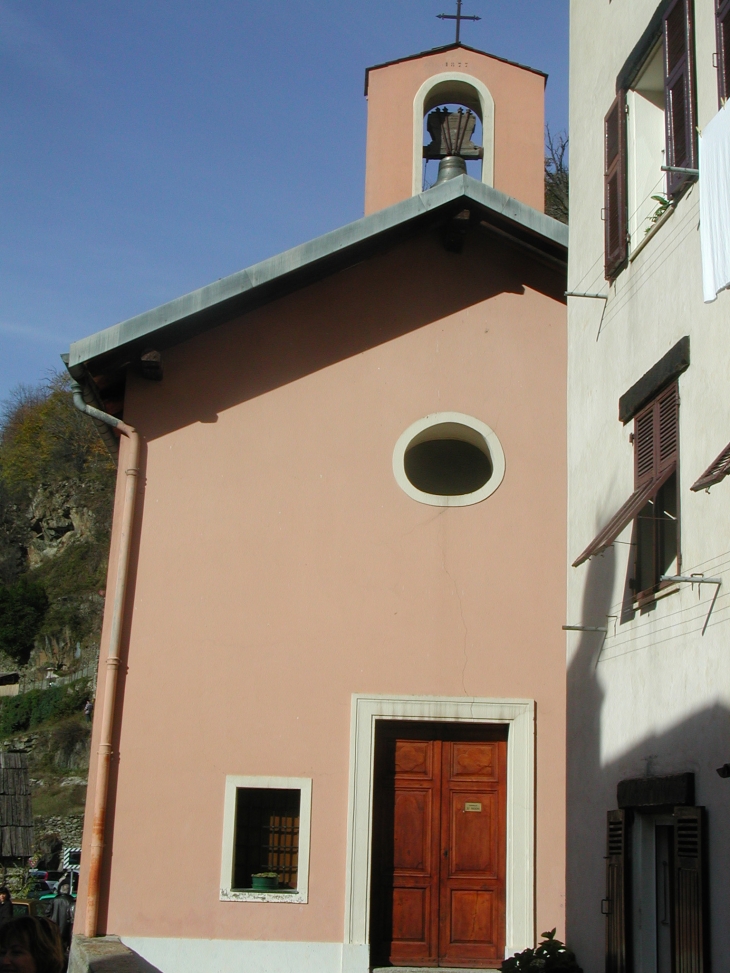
(299,595)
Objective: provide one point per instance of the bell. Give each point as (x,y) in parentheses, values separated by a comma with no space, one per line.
(450,167)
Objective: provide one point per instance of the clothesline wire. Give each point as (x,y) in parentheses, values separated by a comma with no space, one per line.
(600,256)
(637,627)
(670,243)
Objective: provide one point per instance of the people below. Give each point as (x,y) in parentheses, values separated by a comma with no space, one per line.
(62,913)
(30,945)
(6,905)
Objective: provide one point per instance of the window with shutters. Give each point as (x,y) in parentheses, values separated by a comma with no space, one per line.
(655,905)
(722,14)
(651,124)
(653,507)
(656,431)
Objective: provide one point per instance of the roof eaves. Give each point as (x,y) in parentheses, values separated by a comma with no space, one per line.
(191,313)
(441,50)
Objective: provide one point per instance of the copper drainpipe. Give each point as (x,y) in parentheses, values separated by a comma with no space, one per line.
(104,754)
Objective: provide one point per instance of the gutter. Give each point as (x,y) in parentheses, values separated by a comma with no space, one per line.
(104,753)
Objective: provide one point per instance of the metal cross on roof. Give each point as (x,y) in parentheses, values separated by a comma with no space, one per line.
(458,17)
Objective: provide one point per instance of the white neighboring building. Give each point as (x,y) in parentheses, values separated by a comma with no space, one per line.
(649,411)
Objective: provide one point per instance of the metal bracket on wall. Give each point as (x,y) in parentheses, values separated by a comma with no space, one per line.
(682,170)
(597,297)
(584,628)
(697,579)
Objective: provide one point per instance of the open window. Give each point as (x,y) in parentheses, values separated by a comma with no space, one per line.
(653,506)
(646,148)
(266,839)
(651,124)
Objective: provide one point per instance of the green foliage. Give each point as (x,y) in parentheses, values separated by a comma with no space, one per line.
(57,800)
(13,534)
(71,580)
(67,736)
(44,439)
(48,450)
(661,209)
(23,712)
(550,955)
(23,606)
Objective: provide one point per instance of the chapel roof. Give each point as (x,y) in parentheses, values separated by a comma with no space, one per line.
(106,354)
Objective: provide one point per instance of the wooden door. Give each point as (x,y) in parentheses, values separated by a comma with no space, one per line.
(439,846)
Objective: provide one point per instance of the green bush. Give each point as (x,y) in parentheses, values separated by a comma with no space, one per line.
(27,710)
(23,606)
(44,439)
(550,955)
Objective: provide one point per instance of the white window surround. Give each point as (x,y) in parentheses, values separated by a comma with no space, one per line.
(471,430)
(452,87)
(233,783)
(519,716)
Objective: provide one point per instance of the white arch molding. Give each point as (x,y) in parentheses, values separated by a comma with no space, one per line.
(453,87)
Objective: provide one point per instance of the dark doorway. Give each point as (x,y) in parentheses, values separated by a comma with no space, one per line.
(439,845)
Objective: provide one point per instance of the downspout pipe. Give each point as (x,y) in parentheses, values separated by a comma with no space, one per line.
(104,753)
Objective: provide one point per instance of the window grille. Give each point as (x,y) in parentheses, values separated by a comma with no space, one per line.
(267,835)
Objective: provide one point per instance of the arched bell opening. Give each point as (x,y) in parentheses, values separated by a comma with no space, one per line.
(453,114)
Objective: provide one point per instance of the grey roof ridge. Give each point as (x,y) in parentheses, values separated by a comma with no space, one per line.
(145,325)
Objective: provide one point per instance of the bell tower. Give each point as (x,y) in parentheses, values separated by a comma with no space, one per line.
(458,102)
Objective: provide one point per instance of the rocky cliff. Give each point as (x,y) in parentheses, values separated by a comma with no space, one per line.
(56,492)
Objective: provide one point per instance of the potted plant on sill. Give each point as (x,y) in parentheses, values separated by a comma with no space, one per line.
(265,881)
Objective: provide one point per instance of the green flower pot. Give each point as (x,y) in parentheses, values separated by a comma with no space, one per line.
(268,882)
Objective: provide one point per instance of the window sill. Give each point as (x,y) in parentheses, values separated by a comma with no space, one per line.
(248,895)
(648,236)
(654,596)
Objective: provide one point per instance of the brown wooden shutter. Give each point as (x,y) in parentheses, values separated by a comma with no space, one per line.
(722,13)
(616,902)
(615,199)
(690,920)
(656,437)
(656,441)
(716,471)
(679,90)
(667,428)
(644,446)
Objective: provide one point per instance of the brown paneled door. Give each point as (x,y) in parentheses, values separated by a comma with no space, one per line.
(439,845)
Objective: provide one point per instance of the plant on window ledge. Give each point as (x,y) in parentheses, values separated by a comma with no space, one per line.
(661,209)
(265,880)
(550,955)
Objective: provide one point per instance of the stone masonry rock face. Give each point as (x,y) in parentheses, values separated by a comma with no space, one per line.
(69,829)
(57,518)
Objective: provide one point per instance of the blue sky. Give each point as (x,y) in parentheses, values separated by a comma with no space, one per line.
(148,147)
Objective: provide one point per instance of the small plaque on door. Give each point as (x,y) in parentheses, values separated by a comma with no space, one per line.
(472,806)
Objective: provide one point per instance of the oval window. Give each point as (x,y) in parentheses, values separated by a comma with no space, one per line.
(448,459)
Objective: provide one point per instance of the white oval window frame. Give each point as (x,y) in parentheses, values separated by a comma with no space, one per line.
(481,436)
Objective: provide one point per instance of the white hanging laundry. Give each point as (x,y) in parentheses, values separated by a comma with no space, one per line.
(715,204)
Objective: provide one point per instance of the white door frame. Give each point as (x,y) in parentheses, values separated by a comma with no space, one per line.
(519,717)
